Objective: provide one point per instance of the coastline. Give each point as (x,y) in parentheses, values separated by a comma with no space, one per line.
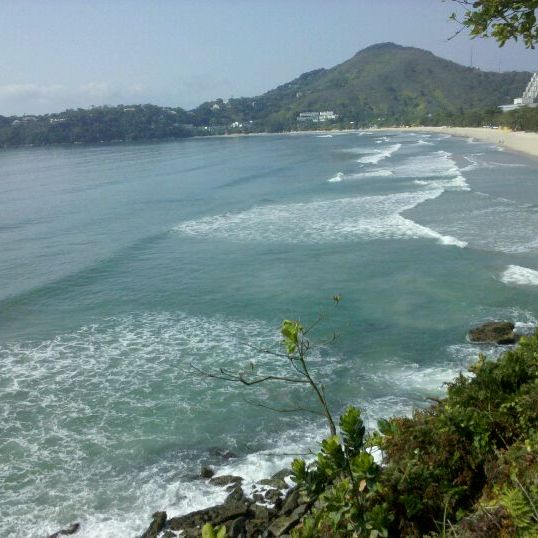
(517,141)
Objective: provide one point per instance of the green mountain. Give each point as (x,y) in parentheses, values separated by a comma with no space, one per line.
(384,83)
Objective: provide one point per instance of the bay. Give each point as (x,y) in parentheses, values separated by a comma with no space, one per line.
(122,265)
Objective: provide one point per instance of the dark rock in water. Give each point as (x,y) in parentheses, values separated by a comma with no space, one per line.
(156,526)
(273,496)
(72,529)
(223,453)
(494,332)
(277,480)
(276,515)
(206,471)
(226,480)
(236,495)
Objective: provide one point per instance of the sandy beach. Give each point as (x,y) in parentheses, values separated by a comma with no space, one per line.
(518,141)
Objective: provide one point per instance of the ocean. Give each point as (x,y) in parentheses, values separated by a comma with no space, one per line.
(124,268)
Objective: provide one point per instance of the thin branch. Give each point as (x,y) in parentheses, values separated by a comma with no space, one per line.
(239,377)
(266,351)
(533,506)
(284,409)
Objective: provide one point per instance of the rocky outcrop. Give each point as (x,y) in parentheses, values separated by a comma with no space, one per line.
(243,517)
(494,332)
(156,526)
(72,529)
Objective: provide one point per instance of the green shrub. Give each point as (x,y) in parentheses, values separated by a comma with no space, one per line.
(467,465)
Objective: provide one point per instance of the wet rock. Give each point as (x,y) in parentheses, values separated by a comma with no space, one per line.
(494,332)
(72,529)
(191,524)
(206,471)
(226,480)
(258,497)
(277,480)
(237,528)
(273,496)
(236,496)
(223,453)
(282,525)
(291,501)
(156,526)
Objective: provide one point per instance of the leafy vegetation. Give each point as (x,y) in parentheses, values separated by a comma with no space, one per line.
(98,124)
(502,19)
(466,466)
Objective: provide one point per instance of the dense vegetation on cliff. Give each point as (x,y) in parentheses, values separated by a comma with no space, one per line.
(385,85)
(466,466)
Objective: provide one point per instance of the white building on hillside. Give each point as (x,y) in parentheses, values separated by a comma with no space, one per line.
(317,117)
(527,99)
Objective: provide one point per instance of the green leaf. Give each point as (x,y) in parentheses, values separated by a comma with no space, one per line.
(208,531)
(353,430)
(291,331)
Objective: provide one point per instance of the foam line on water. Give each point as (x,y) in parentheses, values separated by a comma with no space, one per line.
(337,178)
(520,276)
(379,155)
(345,219)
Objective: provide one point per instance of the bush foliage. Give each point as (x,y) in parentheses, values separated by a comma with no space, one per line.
(466,466)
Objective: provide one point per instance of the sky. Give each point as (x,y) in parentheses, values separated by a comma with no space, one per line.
(58,54)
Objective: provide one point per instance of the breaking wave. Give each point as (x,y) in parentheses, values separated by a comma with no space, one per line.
(522,276)
(379,155)
(345,219)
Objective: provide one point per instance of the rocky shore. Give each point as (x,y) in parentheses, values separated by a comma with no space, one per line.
(269,512)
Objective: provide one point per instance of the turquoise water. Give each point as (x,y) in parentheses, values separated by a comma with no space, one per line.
(121,265)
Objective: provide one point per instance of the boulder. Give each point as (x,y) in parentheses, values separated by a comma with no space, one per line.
(226,480)
(223,453)
(72,529)
(494,332)
(191,524)
(206,471)
(277,480)
(156,526)
(291,501)
(283,524)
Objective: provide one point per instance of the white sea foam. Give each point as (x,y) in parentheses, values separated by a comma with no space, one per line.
(325,136)
(422,142)
(371,173)
(458,183)
(379,155)
(522,276)
(345,219)
(435,170)
(87,402)
(337,178)
(475,162)
(429,165)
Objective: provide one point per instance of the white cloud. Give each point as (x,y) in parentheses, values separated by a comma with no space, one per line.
(43,98)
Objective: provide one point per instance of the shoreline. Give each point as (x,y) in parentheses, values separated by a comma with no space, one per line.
(522,142)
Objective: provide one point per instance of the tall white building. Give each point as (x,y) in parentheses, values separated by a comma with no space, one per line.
(527,99)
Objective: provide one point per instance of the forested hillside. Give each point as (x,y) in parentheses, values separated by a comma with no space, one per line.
(385,84)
